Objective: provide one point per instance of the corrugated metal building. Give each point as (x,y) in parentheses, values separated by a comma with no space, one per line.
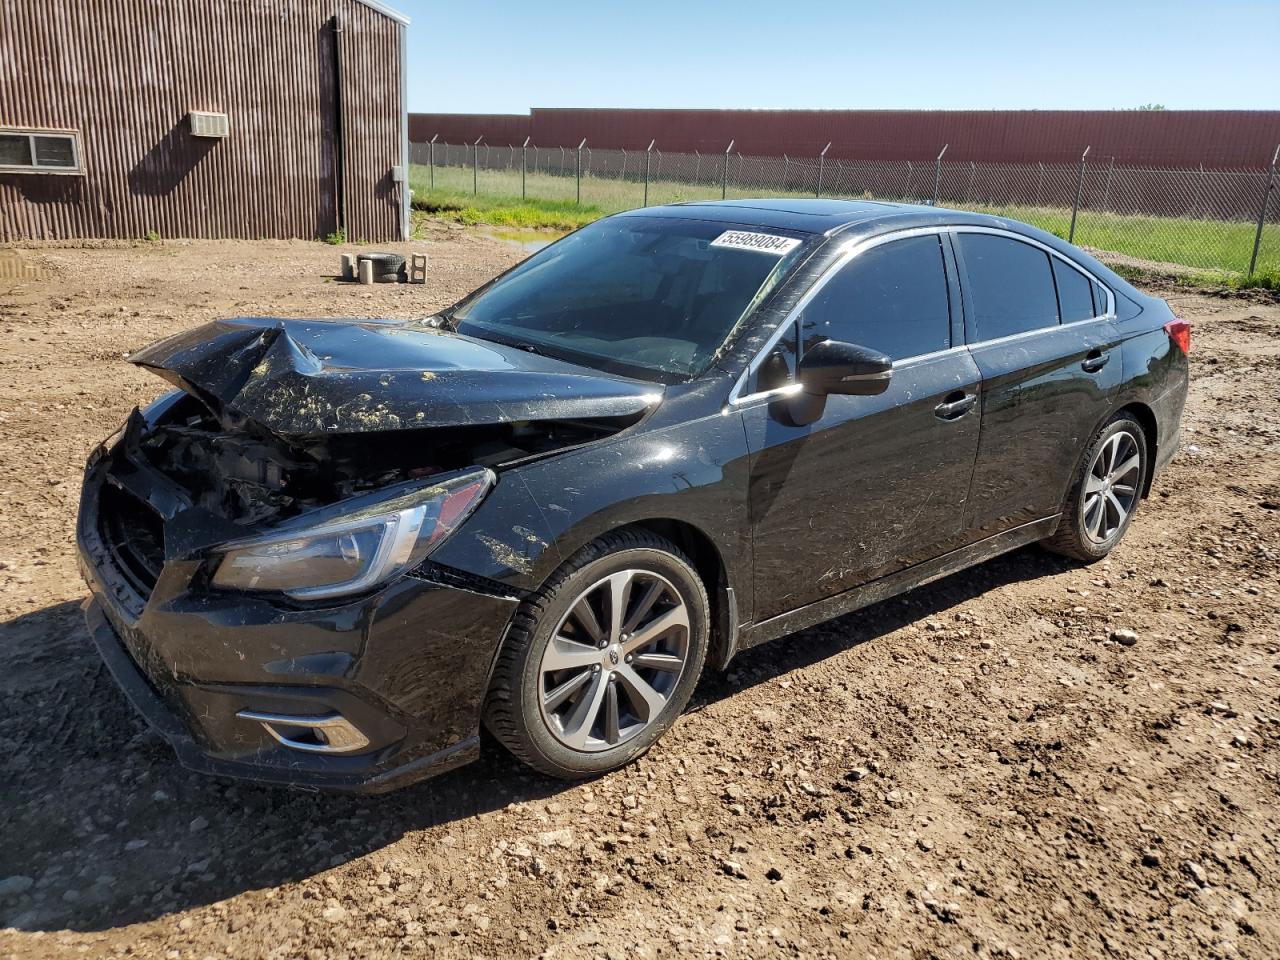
(1163,138)
(202,118)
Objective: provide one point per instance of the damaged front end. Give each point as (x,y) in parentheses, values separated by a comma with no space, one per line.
(247,537)
(283,416)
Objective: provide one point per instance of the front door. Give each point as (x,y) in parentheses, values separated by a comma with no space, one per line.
(879,483)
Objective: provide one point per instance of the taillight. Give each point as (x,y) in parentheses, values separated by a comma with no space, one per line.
(1179,332)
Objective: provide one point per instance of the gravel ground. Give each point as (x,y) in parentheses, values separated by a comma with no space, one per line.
(1031,758)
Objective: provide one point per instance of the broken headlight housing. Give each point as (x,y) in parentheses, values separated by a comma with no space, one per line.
(359,548)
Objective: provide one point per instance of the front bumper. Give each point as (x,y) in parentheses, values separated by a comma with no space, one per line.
(408,667)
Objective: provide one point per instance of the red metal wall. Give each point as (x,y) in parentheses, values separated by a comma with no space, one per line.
(1173,138)
(125,73)
(499,129)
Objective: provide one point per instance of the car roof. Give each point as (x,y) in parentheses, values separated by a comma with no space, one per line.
(824,216)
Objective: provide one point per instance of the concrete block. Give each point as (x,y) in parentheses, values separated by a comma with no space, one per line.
(418,268)
(366,271)
(348,266)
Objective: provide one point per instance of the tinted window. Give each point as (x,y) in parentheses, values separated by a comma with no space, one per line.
(1010,285)
(892,298)
(1099,300)
(1075,296)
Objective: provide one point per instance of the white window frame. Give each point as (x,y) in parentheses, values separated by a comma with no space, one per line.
(31,133)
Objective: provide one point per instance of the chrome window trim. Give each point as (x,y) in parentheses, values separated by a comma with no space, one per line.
(847,252)
(851,249)
(1031,333)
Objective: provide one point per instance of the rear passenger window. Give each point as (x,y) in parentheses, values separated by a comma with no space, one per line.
(1010,285)
(892,298)
(1075,294)
(1099,300)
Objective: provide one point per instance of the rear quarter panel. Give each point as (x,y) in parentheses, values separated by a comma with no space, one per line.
(1156,374)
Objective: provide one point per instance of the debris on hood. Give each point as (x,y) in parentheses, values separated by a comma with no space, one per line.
(304,378)
(286,415)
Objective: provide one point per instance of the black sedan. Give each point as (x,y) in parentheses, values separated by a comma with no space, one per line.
(339,549)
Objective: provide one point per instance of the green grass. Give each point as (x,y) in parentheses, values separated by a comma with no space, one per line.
(505,211)
(1215,247)
(1213,279)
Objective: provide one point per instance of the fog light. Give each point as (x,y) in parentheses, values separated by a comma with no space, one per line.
(332,733)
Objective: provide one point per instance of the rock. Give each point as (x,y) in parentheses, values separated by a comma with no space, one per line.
(198,824)
(629,801)
(1126,638)
(774,874)
(857,773)
(135,845)
(556,838)
(15,885)
(1150,859)
(185,924)
(925,844)
(334,914)
(733,868)
(1196,873)
(159,796)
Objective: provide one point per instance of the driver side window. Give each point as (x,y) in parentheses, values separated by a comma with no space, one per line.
(892,298)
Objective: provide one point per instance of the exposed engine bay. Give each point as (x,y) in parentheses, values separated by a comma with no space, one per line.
(281,416)
(247,475)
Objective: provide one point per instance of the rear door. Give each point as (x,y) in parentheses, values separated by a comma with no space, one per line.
(1041,332)
(876,483)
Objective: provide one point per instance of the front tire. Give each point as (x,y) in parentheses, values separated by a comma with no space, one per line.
(1106,492)
(600,661)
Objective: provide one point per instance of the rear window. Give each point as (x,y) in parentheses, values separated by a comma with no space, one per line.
(1010,285)
(1075,296)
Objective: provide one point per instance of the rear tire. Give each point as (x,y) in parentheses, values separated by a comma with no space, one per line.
(580,688)
(1105,492)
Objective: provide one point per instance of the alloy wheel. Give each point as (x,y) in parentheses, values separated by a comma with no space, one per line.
(614,660)
(1111,486)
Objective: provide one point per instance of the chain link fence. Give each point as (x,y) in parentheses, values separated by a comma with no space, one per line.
(1205,219)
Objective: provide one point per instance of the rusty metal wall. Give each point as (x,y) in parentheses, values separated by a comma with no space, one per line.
(125,73)
(1166,138)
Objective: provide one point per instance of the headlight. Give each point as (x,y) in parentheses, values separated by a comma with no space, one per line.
(352,553)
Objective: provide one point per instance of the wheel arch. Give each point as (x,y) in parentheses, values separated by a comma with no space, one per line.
(711,568)
(1146,418)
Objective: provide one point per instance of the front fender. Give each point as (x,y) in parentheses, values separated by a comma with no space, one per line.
(693,472)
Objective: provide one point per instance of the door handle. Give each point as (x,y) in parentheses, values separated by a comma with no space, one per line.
(1094,361)
(956,406)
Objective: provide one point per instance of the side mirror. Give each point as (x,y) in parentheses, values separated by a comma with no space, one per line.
(834,366)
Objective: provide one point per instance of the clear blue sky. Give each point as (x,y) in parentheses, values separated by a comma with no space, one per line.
(505,57)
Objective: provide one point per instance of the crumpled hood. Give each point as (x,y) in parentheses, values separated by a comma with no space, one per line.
(300,378)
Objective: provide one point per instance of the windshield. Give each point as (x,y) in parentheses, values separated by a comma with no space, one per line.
(654,297)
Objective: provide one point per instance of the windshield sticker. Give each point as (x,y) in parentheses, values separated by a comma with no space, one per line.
(763,242)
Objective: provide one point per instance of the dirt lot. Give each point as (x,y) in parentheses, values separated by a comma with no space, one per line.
(976,769)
